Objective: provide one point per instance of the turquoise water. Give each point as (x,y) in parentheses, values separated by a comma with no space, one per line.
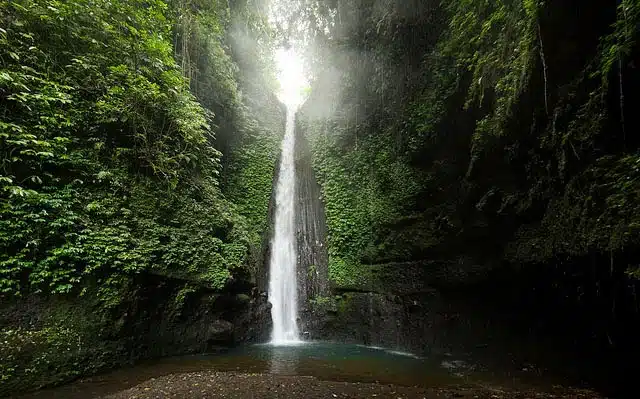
(326,361)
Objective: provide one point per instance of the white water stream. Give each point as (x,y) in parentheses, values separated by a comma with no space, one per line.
(283,293)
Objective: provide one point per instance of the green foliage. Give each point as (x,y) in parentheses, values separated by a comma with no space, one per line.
(347,274)
(324,304)
(250,180)
(180,299)
(497,43)
(108,164)
(222,48)
(18,344)
(597,211)
(619,44)
(352,183)
(253,153)
(365,191)
(494,41)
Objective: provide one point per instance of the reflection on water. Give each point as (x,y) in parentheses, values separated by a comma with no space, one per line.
(331,361)
(283,360)
(326,361)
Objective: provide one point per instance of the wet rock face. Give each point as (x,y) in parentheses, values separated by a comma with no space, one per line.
(376,319)
(312,231)
(206,319)
(397,308)
(254,324)
(220,332)
(423,323)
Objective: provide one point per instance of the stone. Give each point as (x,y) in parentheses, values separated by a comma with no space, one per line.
(243,298)
(220,331)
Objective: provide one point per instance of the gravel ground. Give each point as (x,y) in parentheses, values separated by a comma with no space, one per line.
(211,384)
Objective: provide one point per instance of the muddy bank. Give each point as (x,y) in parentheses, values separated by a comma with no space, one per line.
(212,384)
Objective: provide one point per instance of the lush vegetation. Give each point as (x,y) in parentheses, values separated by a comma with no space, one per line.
(118,121)
(139,141)
(110,165)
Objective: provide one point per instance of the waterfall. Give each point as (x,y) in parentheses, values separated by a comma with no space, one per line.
(283,285)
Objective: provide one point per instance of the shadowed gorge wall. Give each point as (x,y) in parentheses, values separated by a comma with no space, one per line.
(488,141)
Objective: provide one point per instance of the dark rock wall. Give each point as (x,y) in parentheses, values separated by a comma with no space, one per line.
(57,339)
(392,307)
(311,233)
(206,319)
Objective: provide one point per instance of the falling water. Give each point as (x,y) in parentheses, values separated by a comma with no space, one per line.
(282,267)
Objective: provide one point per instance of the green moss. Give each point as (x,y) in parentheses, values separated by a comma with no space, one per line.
(251,180)
(180,299)
(65,347)
(344,274)
(597,213)
(364,190)
(332,304)
(243,298)
(323,304)
(344,303)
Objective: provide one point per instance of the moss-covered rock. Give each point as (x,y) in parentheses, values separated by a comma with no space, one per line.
(52,340)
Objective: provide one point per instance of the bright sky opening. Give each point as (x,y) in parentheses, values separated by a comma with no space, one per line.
(291,77)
